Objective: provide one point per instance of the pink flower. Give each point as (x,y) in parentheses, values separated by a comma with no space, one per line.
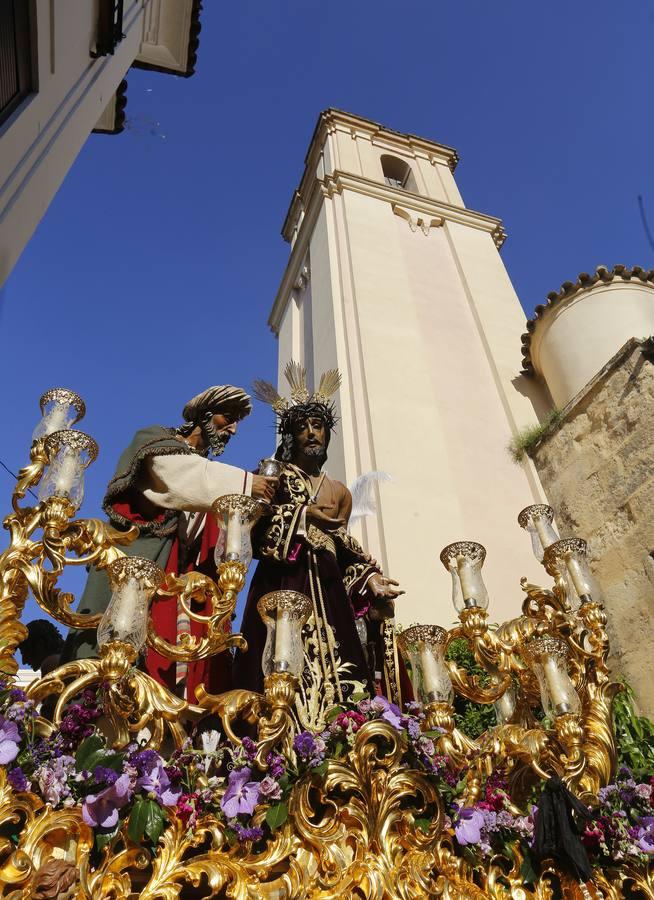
(241,796)
(187,809)
(52,778)
(350,718)
(269,789)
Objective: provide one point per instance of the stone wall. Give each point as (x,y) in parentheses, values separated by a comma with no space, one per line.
(596,465)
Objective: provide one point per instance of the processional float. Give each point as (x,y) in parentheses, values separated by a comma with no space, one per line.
(113,787)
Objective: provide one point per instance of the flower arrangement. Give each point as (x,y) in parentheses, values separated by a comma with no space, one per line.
(493,823)
(74,767)
(622,826)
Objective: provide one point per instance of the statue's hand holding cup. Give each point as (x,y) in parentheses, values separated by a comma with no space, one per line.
(264,483)
(270,467)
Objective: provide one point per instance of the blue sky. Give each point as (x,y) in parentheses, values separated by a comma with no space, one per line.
(152,273)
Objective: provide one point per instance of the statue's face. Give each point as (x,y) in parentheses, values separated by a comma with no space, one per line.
(310,436)
(217,432)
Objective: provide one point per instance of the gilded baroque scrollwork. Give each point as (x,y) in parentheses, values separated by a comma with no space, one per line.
(370,804)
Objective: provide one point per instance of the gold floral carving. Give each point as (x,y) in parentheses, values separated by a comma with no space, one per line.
(367,826)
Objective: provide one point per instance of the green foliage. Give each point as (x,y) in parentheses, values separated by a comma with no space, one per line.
(276,816)
(146,818)
(92,752)
(524,440)
(471,718)
(634,735)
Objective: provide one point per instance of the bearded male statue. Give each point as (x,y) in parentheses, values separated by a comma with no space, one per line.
(303,545)
(164,485)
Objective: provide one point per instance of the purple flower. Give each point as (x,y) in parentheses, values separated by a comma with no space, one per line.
(76,724)
(275,764)
(250,748)
(104,775)
(17,695)
(413,727)
(153,778)
(19,710)
(269,789)
(389,711)
(468,825)
(241,795)
(304,745)
(247,834)
(101,810)
(9,741)
(646,834)
(17,779)
(144,760)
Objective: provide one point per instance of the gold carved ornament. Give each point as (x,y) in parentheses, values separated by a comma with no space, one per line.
(368,825)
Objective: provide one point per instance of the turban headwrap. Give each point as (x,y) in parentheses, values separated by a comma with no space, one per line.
(221,398)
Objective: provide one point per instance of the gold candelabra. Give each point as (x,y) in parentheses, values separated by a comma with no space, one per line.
(350,828)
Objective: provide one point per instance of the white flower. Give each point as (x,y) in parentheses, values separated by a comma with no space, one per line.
(210,741)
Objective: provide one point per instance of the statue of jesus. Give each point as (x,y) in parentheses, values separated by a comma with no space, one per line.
(303,545)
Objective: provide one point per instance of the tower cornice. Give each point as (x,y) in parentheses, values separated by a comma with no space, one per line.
(331,120)
(402,203)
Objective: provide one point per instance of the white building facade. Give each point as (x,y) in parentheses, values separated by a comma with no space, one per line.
(392,279)
(62,70)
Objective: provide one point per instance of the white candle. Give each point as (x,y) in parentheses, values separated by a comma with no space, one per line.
(577,576)
(545,531)
(467,580)
(129,595)
(233,550)
(283,638)
(557,686)
(67,468)
(431,674)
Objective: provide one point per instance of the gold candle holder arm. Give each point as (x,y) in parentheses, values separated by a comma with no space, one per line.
(30,475)
(232,706)
(231,578)
(275,730)
(469,686)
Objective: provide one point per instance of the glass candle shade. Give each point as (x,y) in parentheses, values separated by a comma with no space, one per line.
(537,521)
(547,658)
(505,706)
(69,453)
(423,646)
(567,558)
(283,613)
(464,560)
(60,410)
(271,467)
(236,515)
(133,581)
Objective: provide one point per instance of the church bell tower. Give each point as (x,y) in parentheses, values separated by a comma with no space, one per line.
(399,285)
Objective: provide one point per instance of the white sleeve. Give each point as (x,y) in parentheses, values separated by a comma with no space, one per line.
(191,483)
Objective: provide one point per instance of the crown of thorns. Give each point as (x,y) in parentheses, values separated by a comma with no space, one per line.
(302,404)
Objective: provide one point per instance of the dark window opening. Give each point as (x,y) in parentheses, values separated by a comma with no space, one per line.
(16,74)
(110,27)
(398,174)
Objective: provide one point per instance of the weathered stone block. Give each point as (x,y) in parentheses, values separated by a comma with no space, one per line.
(597,467)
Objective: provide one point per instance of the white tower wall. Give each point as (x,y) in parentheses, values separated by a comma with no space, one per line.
(406,293)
